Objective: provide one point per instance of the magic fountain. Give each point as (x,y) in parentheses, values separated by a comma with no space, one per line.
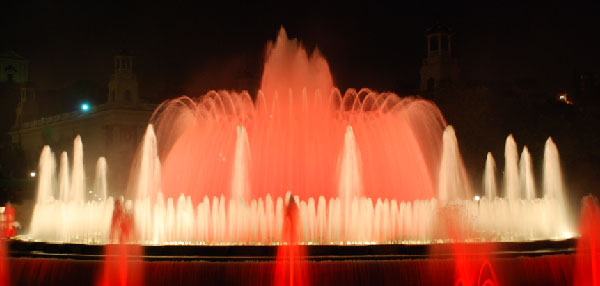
(362,168)
(365,167)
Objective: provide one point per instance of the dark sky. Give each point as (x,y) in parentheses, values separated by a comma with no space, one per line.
(195,47)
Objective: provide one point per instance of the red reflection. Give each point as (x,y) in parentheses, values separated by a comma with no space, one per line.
(587,264)
(4,271)
(291,266)
(123,263)
(472,266)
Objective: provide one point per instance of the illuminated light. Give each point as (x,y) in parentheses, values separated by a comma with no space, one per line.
(85,107)
(563,97)
(477,198)
(32,174)
(567,235)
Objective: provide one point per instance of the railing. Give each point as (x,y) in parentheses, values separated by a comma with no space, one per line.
(76,114)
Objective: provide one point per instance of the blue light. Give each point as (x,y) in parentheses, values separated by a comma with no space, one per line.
(85,107)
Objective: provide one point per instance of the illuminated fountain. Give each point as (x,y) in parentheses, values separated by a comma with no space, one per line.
(363,167)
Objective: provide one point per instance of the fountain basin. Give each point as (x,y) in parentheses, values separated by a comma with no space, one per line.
(19,248)
(545,263)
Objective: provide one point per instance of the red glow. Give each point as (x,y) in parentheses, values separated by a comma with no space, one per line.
(587,265)
(8,220)
(123,263)
(295,139)
(290,266)
(472,266)
(4,271)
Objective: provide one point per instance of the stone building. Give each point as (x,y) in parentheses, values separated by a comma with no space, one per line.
(112,129)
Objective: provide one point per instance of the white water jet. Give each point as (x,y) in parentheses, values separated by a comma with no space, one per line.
(511,170)
(553,185)
(489,177)
(452,181)
(47,167)
(77,190)
(240,183)
(350,176)
(526,174)
(100,184)
(63,177)
(554,192)
(148,180)
(69,218)
(347,219)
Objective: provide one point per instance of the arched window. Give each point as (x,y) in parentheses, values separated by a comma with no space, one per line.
(128,98)
(430,84)
(444,43)
(433,45)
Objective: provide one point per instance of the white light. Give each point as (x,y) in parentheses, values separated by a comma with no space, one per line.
(562,97)
(85,106)
(32,174)
(477,198)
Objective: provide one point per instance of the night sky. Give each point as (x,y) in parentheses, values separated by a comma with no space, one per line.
(193,48)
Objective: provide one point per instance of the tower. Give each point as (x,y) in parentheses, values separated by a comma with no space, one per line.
(440,67)
(123,85)
(27,106)
(13,68)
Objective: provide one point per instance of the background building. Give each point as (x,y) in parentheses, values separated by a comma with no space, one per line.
(110,129)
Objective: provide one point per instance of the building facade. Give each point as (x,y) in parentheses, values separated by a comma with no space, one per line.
(112,130)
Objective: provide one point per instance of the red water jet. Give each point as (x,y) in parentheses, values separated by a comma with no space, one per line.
(4,271)
(472,266)
(296,126)
(123,264)
(587,264)
(291,266)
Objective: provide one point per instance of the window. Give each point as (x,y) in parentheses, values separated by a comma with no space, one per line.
(445,43)
(433,43)
(128,98)
(430,84)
